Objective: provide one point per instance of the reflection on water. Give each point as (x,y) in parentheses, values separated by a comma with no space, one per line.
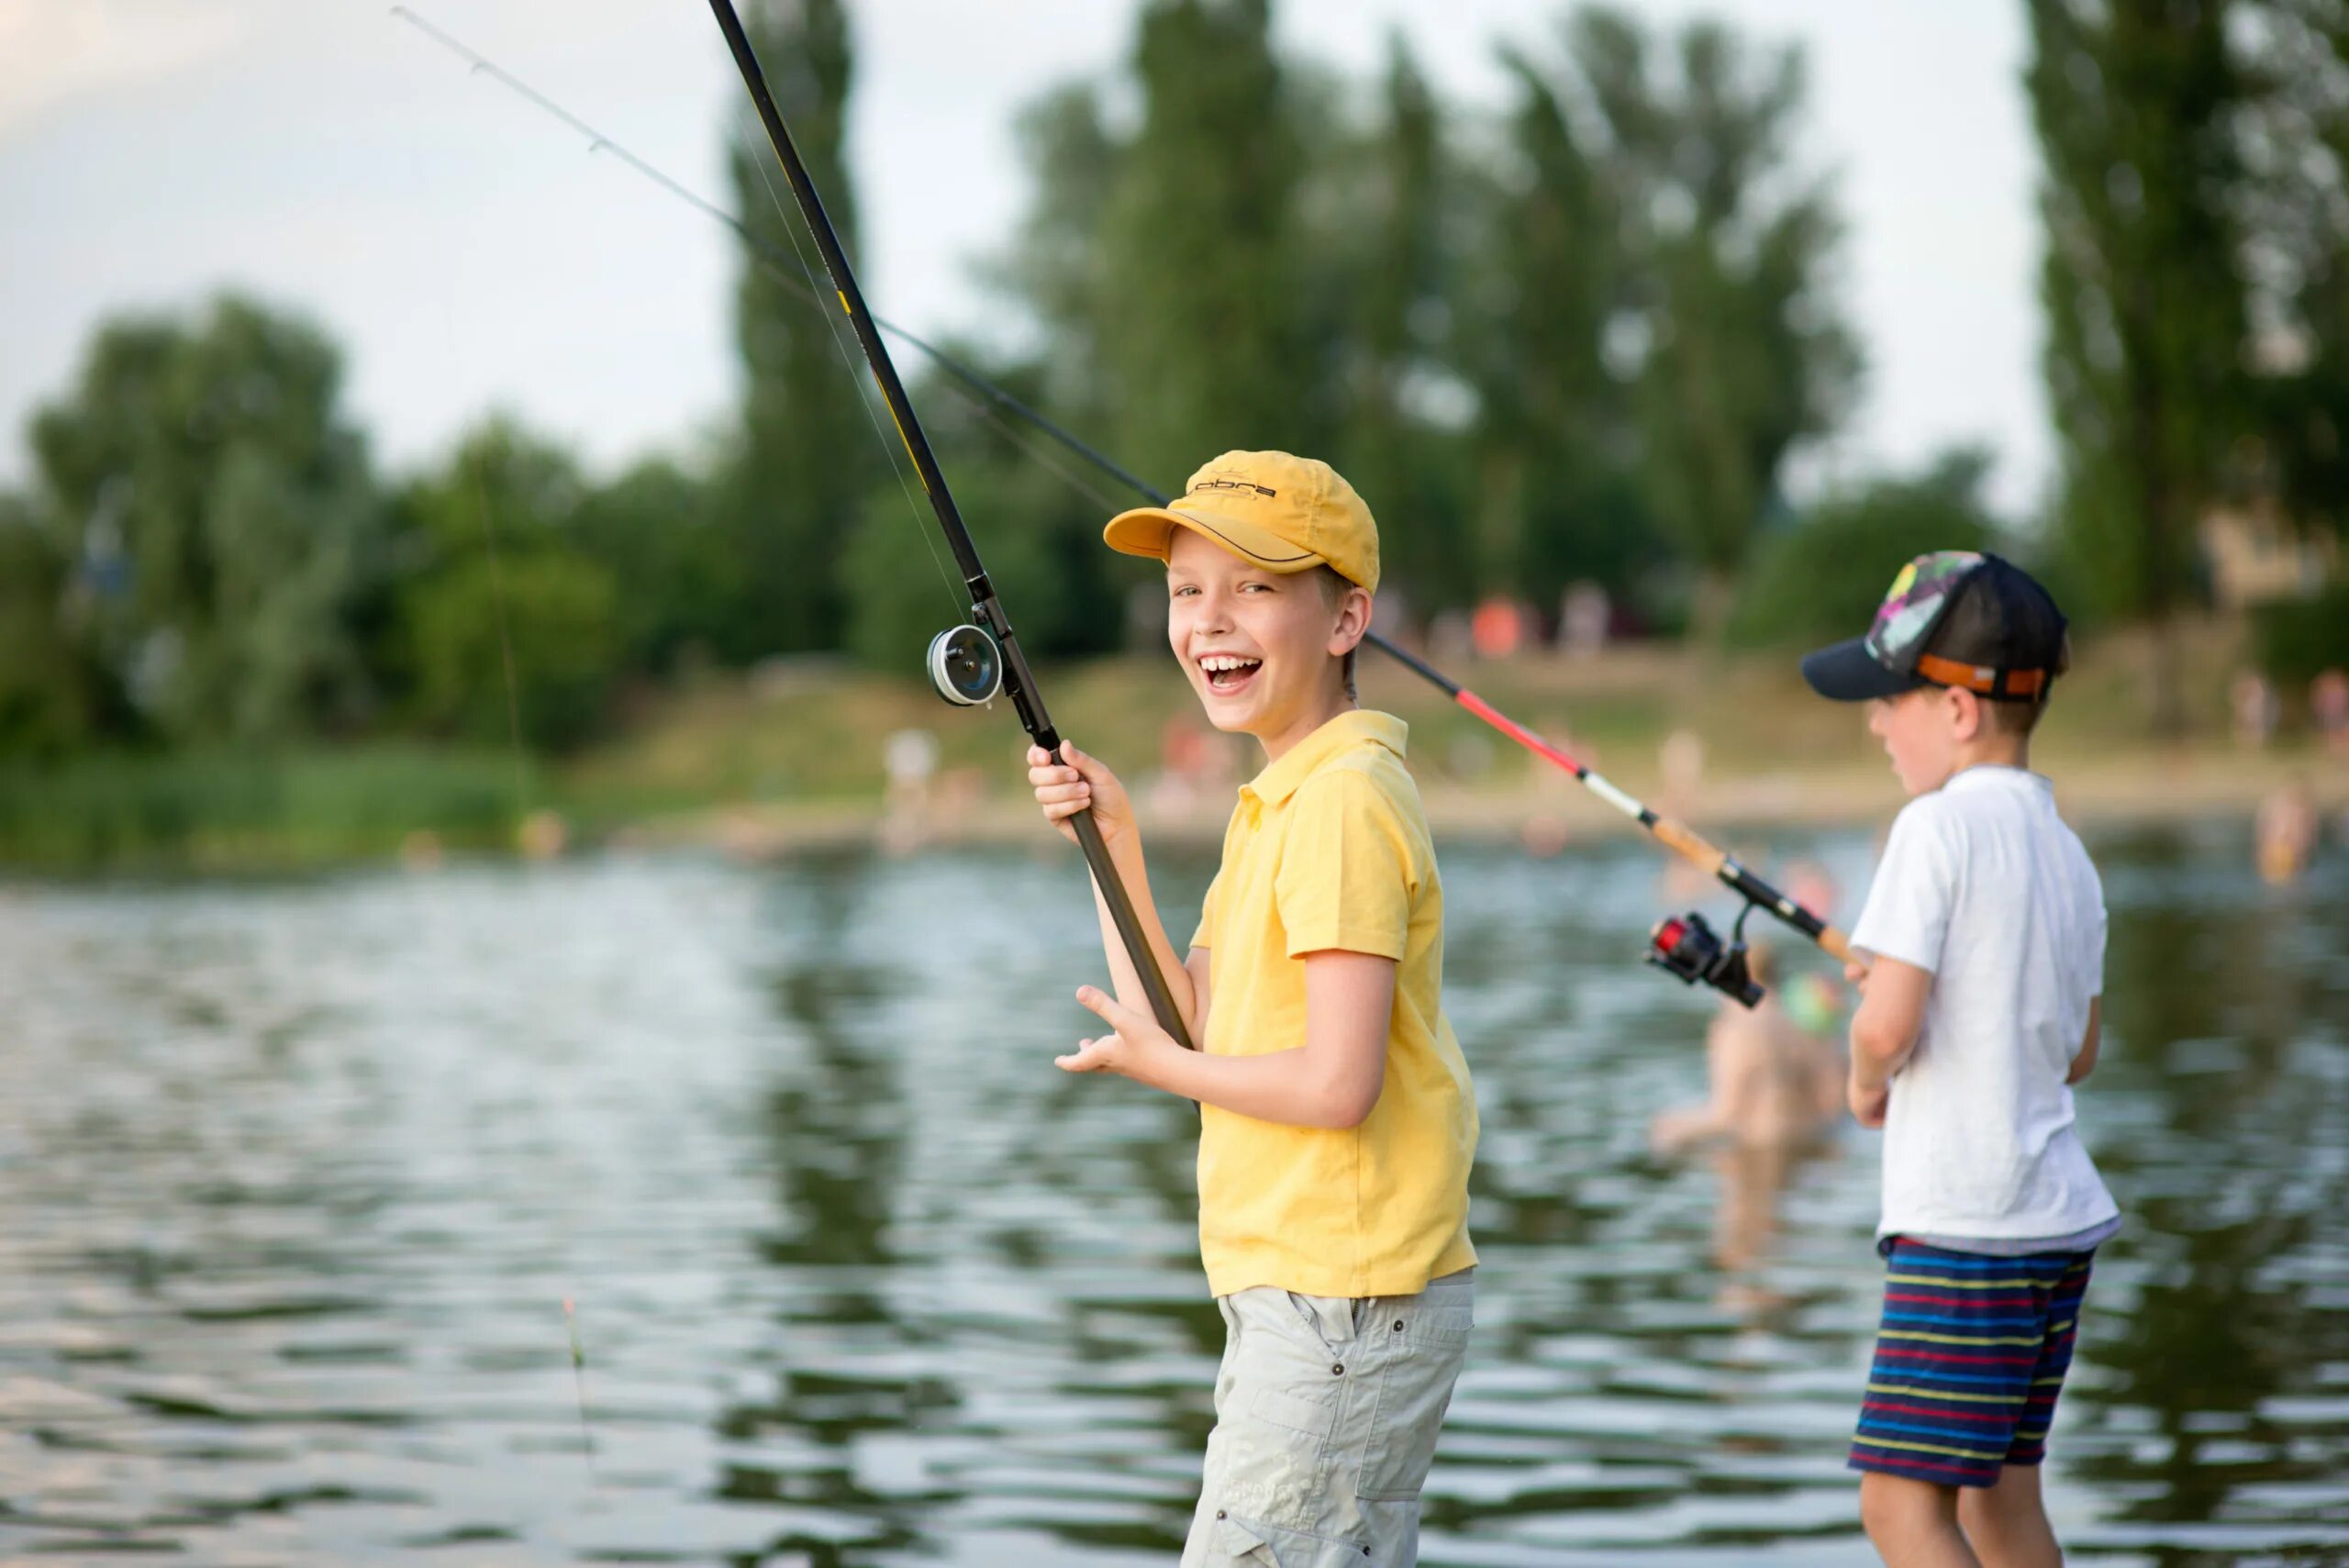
(296,1178)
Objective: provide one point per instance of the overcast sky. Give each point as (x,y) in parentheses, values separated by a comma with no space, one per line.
(468,252)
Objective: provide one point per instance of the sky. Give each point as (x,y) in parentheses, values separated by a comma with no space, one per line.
(469,253)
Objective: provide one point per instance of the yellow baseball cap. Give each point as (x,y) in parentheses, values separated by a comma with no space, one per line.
(1285,513)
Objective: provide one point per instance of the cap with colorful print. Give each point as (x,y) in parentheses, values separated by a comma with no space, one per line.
(1957,617)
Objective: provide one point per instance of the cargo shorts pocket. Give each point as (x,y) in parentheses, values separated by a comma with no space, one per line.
(1243,1543)
(1422,1354)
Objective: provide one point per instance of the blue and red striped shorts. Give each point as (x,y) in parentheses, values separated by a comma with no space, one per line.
(1968,1361)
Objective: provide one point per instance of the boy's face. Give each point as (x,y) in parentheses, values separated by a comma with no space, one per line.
(1260,646)
(1923,733)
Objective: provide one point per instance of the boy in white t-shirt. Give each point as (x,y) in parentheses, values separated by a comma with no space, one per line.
(1978,1012)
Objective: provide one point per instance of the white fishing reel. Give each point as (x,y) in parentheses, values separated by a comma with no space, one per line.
(965,666)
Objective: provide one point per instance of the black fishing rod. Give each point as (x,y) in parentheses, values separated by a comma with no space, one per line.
(973,662)
(1684,946)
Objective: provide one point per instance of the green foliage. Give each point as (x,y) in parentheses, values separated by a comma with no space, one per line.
(2298,639)
(1039,538)
(54,698)
(208,807)
(1167,264)
(507,627)
(1821,579)
(657,532)
(2295,206)
(2138,110)
(224,518)
(1393,262)
(1555,448)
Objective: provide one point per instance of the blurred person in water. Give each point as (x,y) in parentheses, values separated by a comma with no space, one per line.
(1776,1089)
(1773,1084)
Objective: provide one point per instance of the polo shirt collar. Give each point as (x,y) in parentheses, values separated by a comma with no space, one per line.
(1356,726)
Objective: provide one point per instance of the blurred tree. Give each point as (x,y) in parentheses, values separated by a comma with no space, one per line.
(1556,443)
(222,518)
(1035,514)
(1731,333)
(807,456)
(656,530)
(1394,236)
(2137,110)
(507,625)
(54,696)
(2296,151)
(1823,578)
(1164,263)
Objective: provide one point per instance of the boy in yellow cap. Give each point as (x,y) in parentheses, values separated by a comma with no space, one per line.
(1337,1121)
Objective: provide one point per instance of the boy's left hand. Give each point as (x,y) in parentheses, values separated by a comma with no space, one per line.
(1869,1106)
(1135,1038)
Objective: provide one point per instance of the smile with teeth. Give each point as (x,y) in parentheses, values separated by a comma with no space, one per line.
(1227,671)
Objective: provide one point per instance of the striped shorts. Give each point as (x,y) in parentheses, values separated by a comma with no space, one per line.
(1969,1362)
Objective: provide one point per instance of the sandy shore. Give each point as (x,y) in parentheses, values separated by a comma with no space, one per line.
(2151,788)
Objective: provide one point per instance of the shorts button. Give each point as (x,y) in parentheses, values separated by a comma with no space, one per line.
(1398,1325)
(1218,1513)
(1338,1370)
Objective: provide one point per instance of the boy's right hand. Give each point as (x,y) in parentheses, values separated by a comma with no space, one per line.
(1073,784)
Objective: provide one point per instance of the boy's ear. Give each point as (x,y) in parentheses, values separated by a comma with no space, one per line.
(1964,712)
(1353,619)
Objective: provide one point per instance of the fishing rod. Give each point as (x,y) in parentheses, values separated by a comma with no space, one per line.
(973,662)
(1684,946)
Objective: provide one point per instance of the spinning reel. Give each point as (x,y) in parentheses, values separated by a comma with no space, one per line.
(965,666)
(1690,951)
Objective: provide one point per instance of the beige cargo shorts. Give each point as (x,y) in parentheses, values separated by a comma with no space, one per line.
(1326,1415)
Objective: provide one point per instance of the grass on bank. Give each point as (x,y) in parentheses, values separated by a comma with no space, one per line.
(234,811)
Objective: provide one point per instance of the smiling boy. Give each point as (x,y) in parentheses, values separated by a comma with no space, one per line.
(1337,1121)
(1979,1012)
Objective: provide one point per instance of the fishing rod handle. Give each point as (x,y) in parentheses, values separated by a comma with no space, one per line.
(1717,864)
(1123,916)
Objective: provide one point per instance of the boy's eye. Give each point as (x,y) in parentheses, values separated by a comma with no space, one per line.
(1182,589)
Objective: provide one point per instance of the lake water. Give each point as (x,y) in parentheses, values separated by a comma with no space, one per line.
(295,1179)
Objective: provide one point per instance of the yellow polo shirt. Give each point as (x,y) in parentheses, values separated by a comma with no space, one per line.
(1328,848)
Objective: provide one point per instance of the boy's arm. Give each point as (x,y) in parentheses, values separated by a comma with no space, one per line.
(1884,1030)
(1331,1081)
(2085,1063)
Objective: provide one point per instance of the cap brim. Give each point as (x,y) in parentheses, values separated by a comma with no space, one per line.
(1848,673)
(1149,530)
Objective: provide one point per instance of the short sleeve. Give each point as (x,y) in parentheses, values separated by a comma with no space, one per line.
(1908,911)
(1346,877)
(1205,936)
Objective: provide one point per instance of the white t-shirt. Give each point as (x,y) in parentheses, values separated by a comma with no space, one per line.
(1984,884)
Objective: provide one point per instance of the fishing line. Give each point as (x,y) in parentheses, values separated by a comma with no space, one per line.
(953,594)
(990,401)
(472,480)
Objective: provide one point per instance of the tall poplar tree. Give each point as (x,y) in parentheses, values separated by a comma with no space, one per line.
(807,459)
(2136,106)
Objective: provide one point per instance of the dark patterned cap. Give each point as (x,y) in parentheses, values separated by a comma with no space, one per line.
(1957,617)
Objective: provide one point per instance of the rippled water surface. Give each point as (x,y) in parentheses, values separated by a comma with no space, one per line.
(295,1179)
